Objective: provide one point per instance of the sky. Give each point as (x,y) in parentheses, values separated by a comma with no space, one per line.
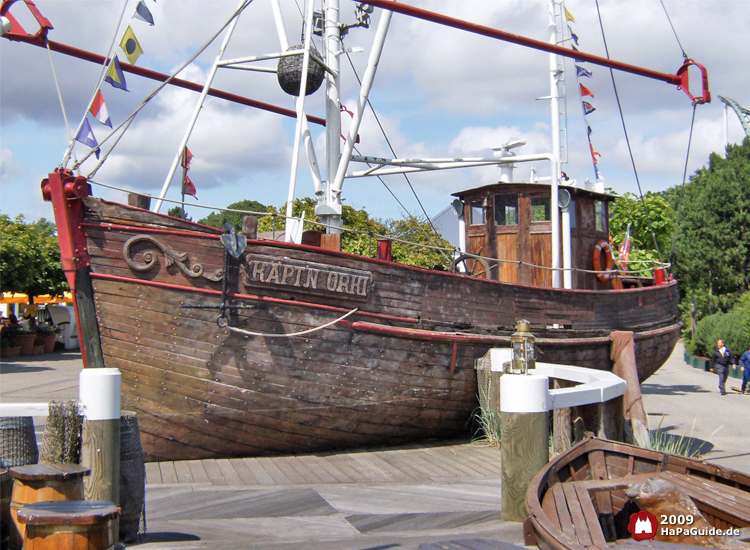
(439,92)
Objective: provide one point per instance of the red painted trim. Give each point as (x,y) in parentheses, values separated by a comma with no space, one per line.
(65,192)
(523,41)
(326,251)
(448,337)
(253,297)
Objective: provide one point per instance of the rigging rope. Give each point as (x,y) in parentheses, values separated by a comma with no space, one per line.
(290,335)
(64,162)
(627,138)
(59,94)
(682,191)
(126,123)
(393,152)
(684,55)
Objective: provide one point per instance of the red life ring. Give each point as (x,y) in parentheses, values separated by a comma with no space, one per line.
(603,247)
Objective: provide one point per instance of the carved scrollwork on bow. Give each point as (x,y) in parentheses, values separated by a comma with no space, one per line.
(171,257)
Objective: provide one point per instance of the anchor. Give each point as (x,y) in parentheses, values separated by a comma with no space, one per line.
(234,245)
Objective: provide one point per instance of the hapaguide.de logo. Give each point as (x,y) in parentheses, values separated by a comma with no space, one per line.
(643,526)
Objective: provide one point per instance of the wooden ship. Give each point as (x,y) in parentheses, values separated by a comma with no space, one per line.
(230,345)
(578,501)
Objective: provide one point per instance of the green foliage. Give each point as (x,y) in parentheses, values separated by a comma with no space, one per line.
(216,220)
(30,258)
(363,244)
(418,230)
(713,237)
(629,209)
(732,327)
(176,212)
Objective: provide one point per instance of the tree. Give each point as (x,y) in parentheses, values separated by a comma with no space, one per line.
(362,241)
(629,209)
(713,236)
(419,231)
(177,212)
(30,258)
(216,220)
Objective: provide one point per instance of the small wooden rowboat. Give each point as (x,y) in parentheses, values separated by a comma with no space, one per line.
(578,500)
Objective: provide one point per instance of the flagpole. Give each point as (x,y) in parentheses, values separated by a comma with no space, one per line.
(184,176)
(198,108)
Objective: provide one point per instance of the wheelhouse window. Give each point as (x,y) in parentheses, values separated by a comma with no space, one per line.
(540,210)
(599,217)
(477,212)
(506,210)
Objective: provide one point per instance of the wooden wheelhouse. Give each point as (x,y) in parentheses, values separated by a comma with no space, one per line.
(511,222)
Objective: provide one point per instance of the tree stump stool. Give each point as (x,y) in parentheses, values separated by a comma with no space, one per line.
(72,524)
(42,482)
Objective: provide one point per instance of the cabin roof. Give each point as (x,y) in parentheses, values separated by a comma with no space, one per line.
(500,186)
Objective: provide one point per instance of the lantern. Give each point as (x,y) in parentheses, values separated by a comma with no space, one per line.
(522,342)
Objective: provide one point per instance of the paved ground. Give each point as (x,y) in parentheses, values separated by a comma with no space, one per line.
(684,401)
(424,497)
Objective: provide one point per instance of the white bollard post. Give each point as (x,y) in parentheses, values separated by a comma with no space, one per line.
(524,443)
(99,393)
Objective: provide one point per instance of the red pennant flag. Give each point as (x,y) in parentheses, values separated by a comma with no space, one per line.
(188,188)
(594,154)
(585,91)
(187,157)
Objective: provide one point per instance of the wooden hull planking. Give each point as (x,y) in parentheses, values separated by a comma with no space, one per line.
(397,370)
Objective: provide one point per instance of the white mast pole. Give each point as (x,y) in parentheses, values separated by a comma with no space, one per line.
(367,80)
(280,28)
(198,107)
(300,113)
(329,205)
(554,75)
(306,136)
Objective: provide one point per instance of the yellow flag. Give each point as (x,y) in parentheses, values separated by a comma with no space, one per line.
(568,15)
(130,46)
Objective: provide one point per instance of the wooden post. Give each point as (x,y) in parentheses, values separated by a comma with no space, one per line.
(141,201)
(100,398)
(524,421)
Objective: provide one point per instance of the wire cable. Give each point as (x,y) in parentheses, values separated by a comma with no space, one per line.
(682,191)
(393,152)
(627,138)
(684,55)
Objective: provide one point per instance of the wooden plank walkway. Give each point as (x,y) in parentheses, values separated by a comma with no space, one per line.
(405,464)
(400,497)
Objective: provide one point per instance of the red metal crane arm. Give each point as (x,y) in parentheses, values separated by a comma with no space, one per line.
(680,79)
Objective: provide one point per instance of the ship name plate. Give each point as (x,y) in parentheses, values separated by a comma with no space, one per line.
(303,276)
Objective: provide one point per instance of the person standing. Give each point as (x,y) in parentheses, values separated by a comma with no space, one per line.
(745,368)
(720,361)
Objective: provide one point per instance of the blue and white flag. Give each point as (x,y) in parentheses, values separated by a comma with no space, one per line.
(588,108)
(114,75)
(143,13)
(582,71)
(573,35)
(87,137)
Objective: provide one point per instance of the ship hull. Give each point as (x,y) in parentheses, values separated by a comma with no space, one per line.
(387,355)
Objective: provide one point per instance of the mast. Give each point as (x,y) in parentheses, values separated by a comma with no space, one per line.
(555,74)
(329,204)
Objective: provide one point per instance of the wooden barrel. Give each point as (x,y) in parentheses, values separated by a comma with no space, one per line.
(73,525)
(132,477)
(42,482)
(6,487)
(17,441)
